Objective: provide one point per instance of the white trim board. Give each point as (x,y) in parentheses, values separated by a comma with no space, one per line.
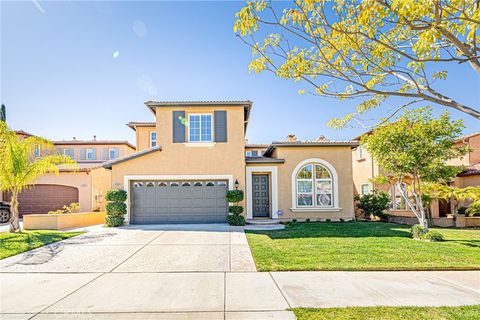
(128,178)
(274,189)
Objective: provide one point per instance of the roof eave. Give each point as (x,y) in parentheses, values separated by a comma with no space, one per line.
(109,164)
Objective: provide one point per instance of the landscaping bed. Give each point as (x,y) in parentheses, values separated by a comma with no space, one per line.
(362,246)
(390,313)
(15,243)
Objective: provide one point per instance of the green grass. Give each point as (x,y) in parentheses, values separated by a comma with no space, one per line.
(15,243)
(390,313)
(362,246)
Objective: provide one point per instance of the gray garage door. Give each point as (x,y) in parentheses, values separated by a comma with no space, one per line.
(191,201)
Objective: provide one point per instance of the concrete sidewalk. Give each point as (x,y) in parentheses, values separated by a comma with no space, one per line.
(197,272)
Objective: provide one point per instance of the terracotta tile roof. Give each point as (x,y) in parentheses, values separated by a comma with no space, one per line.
(472,170)
(94,142)
(322,143)
(247,104)
(23,133)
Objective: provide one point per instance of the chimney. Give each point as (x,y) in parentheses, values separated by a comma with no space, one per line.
(321,138)
(74,138)
(291,137)
(94,138)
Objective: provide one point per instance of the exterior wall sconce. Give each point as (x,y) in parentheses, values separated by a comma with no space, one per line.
(236,184)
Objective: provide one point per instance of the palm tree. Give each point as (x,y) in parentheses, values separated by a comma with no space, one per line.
(21,165)
(3,113)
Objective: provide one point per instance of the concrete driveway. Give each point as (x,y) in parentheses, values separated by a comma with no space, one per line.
(195,272)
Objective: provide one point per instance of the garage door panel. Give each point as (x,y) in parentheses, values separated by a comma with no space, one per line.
(42,198)
(178,202)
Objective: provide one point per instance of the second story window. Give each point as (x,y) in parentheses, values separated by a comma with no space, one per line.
(89,154)
(38,151)
(360,152)
(112,153)
(66,152)
(254,153)
(153,139)
(200,128)
(248,153)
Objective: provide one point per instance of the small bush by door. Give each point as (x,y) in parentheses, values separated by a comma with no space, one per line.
(116,207)
(235,217)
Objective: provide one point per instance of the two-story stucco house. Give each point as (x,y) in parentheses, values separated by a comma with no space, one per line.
(86,185)
(365,168)
(194,152)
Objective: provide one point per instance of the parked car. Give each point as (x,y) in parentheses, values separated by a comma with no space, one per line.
(4,212)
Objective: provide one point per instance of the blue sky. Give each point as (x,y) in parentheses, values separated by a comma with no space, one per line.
(83,68)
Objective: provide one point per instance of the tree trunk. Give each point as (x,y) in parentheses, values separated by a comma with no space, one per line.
(417,207)
(14,223)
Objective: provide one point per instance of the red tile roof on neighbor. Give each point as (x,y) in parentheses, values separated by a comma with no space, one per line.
(472,170)
(94,142)
(23,133)
(316,143)
(257,145)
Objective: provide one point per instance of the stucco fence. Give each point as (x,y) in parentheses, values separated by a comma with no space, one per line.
(460,221)
(62,221)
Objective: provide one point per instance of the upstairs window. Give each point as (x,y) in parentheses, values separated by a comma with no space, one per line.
(89,154)
(248,153)
(38,151)
(112,153)
(200,128)
(153,139)
(360,152)
(254,153)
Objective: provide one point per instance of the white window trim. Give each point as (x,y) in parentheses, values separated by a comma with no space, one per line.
(211,128)
(127,179)
(66,152)
(86,153)
(151,140)
(393,194)
(274,189)
(333,172)
(361,188)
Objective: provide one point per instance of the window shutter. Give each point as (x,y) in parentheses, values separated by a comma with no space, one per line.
(71,153)
(220,126)
(82,153)
(94,153)
(117,152)
(105,153)
(178,127)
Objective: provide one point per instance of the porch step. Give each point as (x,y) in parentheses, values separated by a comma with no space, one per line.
(263,222)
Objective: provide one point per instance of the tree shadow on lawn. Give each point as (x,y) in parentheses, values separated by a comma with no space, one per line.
(338,230)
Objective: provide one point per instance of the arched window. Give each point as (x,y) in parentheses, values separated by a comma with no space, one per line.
(314,186)
(397,201)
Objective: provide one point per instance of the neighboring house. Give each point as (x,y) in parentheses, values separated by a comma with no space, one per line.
(365,168)
(86,185)
(194,152)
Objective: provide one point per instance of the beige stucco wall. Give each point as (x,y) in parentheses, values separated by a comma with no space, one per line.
(339,157)
(142,137)
(363,169)
(190,159)
(77,149)
(101,183)
(80,180)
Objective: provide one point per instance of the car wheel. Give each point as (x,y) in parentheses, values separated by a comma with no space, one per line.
(4,215)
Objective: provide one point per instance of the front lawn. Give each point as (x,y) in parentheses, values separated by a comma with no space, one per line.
(390,313)
(15,243)
(362,246)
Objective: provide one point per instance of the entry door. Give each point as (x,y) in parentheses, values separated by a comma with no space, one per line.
(261,195)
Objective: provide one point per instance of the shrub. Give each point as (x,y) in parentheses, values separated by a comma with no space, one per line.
(433,236)
(234,196)
(417,232)
(235,209)
(116,195)
(294,220)
(116,207)
(461,210)
(73,207)
(307,221)
(114,221)
(473,209)
(374,203)
(236,220)
(328,220)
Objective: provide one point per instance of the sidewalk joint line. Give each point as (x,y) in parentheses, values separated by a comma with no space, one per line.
(281,292)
